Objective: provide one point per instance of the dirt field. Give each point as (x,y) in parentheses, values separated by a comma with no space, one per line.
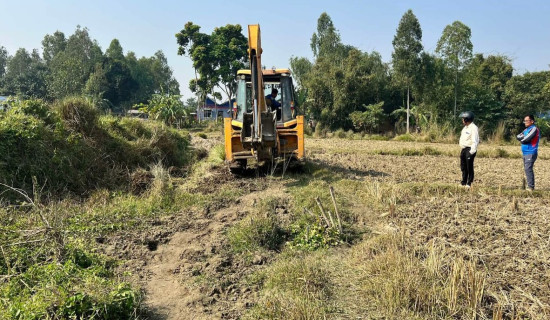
(186,270)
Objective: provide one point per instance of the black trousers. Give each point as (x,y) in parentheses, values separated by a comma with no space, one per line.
(467,166)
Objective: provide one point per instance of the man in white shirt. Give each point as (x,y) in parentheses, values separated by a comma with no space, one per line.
(469,140)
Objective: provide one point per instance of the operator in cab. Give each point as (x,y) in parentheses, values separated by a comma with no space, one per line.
(272,102)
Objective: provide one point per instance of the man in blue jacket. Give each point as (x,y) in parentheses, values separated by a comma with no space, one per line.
(529,139)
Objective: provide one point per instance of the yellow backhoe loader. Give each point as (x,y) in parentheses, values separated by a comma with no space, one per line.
(263,129)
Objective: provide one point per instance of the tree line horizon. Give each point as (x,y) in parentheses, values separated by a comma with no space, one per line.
(342,87)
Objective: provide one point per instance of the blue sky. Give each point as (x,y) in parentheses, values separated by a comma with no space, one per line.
(517,29)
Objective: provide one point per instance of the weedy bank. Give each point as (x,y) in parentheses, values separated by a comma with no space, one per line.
(415,244)
(68,177)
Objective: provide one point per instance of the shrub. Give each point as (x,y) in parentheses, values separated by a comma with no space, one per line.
(404,137)
(81,286)
(78,115)
(314,236)
(320,131)
(75,150)
(217,155)
(340,133)
(255,232)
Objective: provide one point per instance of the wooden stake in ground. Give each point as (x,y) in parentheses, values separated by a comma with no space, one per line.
(322,211)
(336,209)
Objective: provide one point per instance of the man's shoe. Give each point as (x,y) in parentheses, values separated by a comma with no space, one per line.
(529,189)
(467,186)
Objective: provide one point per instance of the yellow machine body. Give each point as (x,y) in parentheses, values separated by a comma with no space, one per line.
(256,130)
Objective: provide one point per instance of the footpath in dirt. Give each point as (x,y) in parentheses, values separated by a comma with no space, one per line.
(183,263)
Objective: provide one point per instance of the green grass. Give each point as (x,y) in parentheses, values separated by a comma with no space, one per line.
(69,147)
(74,283)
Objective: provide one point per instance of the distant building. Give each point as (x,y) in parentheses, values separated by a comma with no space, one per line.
(210,110)
(3,103)
(137,114)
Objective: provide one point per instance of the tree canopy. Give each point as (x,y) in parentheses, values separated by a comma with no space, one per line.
(216,57)
(76,65)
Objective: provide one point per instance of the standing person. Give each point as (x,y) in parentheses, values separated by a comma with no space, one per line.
(529,139)
(469,139)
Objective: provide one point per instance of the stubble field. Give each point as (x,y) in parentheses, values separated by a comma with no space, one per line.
(412,189)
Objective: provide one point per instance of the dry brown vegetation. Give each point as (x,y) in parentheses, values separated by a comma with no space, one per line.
(493,238)
(415,244)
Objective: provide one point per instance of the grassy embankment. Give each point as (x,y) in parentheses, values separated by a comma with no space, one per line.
(70,177)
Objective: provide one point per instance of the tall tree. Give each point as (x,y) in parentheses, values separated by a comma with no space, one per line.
(495,71)
(326,40)
(525,94)
(97,84)
(115,51)
(52,45)
(407,46)
(25,75)
(336,89)
(121,85)
(140,72)
(164,80)
(3,61)
(216,57)
(456,48)
(300,67)
(71,68)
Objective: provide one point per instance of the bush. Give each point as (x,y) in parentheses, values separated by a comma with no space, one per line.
(78,115)
(255,232)
(74,149)
(340,133)
(320,131)
(404,137)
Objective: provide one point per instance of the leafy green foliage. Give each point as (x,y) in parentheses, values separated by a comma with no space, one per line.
(314,236)
(168,108)
(407,44)
(455,47)
(370,119)
(216,57)
(26,75)
(83,287)
(327,39)
(3,63)
(76,65)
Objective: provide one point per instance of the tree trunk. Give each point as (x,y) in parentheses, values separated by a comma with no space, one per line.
(456,86)
(198,98)
(408,109)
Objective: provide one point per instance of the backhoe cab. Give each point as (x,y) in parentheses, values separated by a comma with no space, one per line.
(258,129)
